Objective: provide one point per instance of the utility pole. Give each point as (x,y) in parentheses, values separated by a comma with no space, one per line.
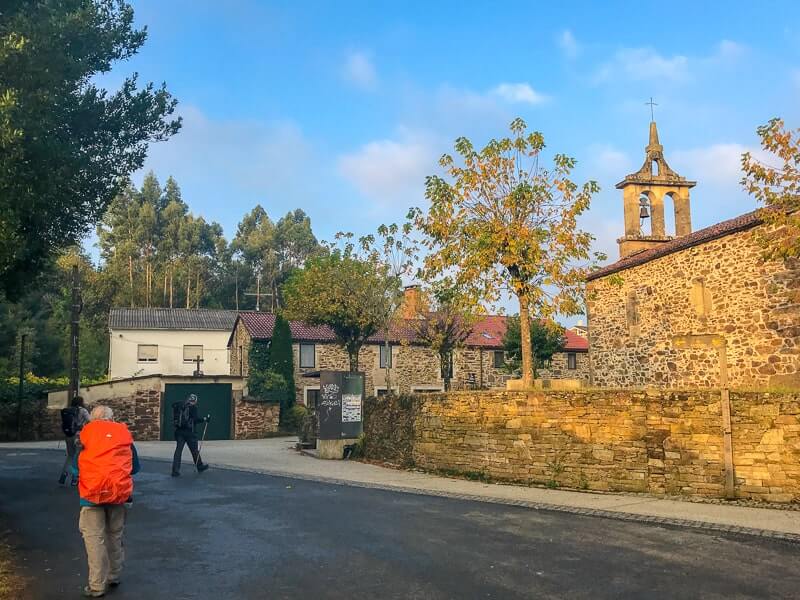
(21,384)
(76,308)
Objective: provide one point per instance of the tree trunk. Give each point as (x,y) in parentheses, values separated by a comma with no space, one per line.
(197,291)
(130,276)
(525,342)
(444,365)
(164,300)
(188,289)
(171,283)
(388,363)
(353,355)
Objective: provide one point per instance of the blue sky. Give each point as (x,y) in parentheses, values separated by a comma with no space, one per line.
(342,108)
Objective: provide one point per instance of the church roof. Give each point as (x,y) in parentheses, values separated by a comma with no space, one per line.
(740,223)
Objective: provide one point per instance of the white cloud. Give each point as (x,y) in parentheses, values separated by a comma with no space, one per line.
(718,164)
(607,164)
(391,171)
(359,70)
(568,44)
(647,64)
(518,93)
(642,64)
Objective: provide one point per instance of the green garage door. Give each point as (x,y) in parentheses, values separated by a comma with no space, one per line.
(212,399)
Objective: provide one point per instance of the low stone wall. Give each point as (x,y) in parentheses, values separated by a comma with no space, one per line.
(141,412)
(254,419)
(389,428)
(663,442)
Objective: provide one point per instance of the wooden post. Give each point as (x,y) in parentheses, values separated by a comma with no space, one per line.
(20,389)
(74,334)
(727,430)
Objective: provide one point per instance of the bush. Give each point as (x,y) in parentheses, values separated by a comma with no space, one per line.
(294,418)
(281,361)
(267,386)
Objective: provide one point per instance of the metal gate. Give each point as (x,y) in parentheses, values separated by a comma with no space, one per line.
(212,399)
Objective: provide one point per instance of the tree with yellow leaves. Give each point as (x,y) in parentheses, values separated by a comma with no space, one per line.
(502,222)
(778,188)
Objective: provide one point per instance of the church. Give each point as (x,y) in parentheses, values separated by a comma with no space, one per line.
(690,309)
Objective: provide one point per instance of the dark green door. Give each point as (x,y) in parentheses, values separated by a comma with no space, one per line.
(212,399)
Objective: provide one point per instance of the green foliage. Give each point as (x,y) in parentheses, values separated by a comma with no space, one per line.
(503,221)
(67,145)
(547,338)
(281,361)
(345,293)
(294,418)
(258,369)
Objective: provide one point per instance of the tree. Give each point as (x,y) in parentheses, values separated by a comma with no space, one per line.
(446,325)
(343,293)
(505,223)
(393,248)
(547,338)
(67,145)
(281,361)
(777,188)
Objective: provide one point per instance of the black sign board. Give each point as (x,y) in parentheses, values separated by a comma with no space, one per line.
(340,403)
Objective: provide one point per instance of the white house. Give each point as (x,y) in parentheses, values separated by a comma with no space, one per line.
(168,341)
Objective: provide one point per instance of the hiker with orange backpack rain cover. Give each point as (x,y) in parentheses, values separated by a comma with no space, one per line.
(106,463)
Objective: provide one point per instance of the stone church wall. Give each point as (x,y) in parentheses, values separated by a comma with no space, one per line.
(660,323)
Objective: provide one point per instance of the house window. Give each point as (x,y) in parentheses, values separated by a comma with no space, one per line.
(386,357)
(147,353)
(307,358)
(572,361)
(190,353)
(499,359)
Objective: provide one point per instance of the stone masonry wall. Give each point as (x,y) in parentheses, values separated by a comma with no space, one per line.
(254,419)
(663,442)
(721,290)
(559,367)
(140,412)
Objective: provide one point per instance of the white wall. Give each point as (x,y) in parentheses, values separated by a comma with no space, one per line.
(124,352)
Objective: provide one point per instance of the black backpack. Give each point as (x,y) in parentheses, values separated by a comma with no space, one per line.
(69,421)
(182,415)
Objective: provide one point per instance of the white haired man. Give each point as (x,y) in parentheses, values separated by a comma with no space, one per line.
(107,461)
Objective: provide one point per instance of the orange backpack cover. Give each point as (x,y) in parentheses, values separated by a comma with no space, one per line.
(105,463)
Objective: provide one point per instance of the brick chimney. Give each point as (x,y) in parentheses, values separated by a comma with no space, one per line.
(412,299)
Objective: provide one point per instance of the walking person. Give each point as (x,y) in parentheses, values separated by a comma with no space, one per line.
(73,418)
(184,416)
(106,463)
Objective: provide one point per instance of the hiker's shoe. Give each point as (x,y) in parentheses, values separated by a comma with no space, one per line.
(90,593)
(113,584)
(201,468)
(63,479)
(176,474)
(74,482)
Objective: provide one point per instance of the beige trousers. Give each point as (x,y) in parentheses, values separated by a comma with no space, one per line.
(102,528)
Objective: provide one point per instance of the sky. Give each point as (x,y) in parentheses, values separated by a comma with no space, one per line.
(343,108)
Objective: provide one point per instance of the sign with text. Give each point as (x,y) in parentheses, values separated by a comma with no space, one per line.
(339,408)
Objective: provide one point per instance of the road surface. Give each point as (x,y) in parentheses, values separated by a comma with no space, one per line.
(230,534)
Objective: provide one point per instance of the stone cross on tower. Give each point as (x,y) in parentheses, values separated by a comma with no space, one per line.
(650,187)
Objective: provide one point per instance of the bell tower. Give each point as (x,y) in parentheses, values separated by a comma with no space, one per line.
(644,194)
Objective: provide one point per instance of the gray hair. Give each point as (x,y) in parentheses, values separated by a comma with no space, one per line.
(102,413)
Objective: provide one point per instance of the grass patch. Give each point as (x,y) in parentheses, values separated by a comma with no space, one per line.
(12,585)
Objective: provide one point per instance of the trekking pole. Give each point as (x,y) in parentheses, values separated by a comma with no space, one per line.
(200,445)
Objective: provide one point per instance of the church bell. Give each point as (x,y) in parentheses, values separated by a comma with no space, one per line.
(643,212)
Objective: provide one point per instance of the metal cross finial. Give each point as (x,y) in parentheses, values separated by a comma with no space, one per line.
(651,104)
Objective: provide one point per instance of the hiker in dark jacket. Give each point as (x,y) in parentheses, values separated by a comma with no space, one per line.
(185,418)
(72,421)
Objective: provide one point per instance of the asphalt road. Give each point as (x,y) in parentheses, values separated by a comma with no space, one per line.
(228,534)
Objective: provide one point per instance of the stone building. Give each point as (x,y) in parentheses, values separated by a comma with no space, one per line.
(697,309)
(413,366)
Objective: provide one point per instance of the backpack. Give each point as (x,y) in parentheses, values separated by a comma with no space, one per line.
(69,421)
(181,415)
(105,463)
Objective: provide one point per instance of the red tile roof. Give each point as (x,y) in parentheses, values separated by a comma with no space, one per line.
(487,333)
(696,238)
